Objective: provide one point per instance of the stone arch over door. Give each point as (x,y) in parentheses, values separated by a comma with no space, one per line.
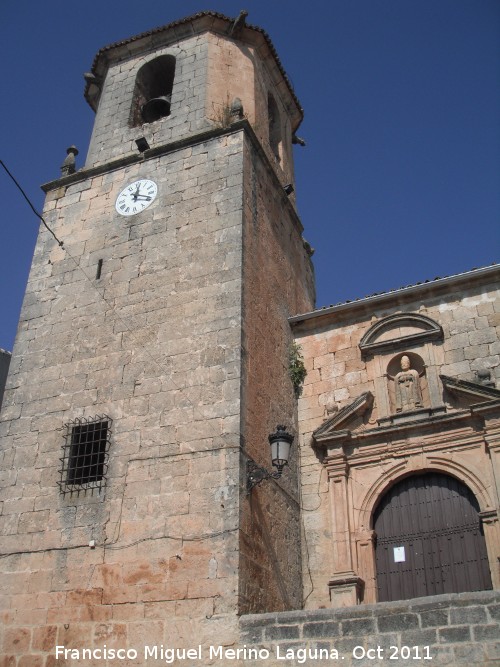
(392,474)
(429,538)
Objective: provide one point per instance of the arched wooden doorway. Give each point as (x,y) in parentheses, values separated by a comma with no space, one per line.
(429,539)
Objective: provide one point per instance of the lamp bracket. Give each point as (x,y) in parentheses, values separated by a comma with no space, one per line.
(257,474)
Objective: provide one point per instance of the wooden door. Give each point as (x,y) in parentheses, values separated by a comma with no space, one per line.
(429,539)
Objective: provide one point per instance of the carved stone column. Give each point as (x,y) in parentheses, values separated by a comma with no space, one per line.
(490,520)
(345,586)
(492,437)
(491,527)
(365,544)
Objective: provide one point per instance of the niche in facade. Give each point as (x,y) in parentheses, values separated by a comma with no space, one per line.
(407,383)
(153,90)
(275,138)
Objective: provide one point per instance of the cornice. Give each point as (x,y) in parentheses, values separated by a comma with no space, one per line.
(136,158)
(171,147)
(330,428)
(403,430)
(401,296)
(465,388)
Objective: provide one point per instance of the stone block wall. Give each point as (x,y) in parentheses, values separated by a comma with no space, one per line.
(445,630)
(240,70)
(211,71)
(277,281)
(337,373)
(155,344)
(112,135)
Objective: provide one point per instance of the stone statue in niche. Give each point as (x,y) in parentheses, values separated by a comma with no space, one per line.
(407,387)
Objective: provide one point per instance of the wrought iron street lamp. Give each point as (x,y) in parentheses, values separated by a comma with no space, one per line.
(280,442)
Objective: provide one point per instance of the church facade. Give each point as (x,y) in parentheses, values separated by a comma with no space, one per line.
(399,427)
(153,365)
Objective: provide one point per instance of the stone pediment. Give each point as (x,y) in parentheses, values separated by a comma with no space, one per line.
(399,331)
(338,425)
(471,392)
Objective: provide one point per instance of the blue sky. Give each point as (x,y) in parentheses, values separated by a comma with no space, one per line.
(400,178)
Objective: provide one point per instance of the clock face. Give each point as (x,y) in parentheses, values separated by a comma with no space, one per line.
(136,197)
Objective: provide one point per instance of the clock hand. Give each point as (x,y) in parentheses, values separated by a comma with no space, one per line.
(142,197)
(136,193)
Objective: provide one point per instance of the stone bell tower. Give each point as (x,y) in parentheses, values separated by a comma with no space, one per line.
(151,360)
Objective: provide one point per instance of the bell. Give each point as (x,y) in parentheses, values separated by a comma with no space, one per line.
(156,108)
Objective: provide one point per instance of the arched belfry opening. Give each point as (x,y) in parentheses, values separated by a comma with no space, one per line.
(429,539)
(275,138)
(153,90)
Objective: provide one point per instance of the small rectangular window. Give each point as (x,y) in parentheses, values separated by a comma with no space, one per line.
(85,456)
(99,270)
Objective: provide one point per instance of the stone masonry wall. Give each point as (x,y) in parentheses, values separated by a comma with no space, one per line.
(446,630)
(237,70)
(210,72)
(277,281)
(155,344)
(112,135)
(337,374)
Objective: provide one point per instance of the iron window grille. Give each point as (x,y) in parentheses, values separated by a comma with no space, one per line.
(84,464)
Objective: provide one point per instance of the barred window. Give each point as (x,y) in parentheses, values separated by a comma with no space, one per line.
(85,454)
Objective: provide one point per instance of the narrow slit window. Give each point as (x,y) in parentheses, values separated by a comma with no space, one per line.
(85,457)
(99,270)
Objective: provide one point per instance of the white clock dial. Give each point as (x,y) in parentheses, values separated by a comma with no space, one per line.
(136,197)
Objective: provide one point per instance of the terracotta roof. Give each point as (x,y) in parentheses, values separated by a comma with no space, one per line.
(398,290)
(185,20)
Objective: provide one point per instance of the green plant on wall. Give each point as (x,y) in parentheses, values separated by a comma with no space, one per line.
(226,113)
(296,368)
